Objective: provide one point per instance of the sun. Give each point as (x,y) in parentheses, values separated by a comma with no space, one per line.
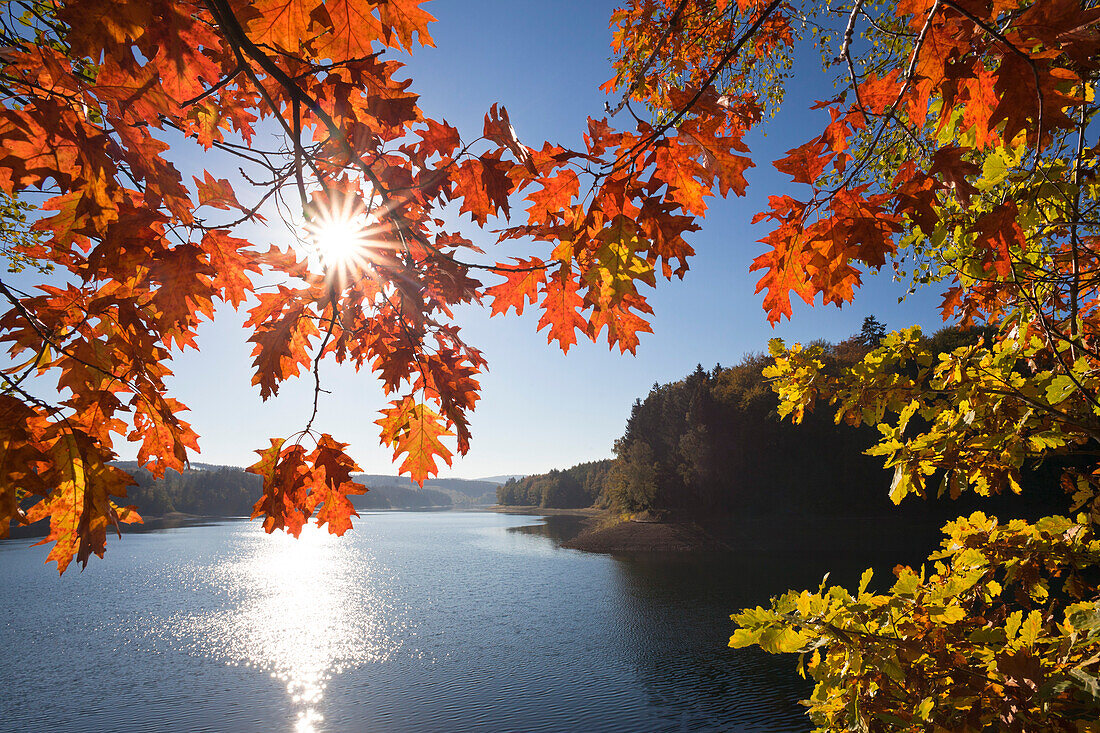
(340,243)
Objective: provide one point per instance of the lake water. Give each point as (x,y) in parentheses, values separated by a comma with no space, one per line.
(414,621)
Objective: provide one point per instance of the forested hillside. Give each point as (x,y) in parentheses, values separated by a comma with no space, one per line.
(461,491)
(213,491)
(579,486)
(712,444)
(230,491)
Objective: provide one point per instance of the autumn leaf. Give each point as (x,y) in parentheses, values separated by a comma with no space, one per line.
(560,305)
(521,286)
(352,28)
(805,163)
(336,509)
(282,23)
(618,264)
(498,128)
(484,186)
(216,192)
(403,18)
(415,430)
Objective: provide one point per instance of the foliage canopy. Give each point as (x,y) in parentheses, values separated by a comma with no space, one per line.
(960,150)
(92,93)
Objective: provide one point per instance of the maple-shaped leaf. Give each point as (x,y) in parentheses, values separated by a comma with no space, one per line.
(1031,90)
(282,338)
(415,430)
(27,462)
(336,509)
(676,167)
(282,23)
(216,192)
(164,437)
(784,262)
(861,228)
(79,507)
(287,483)
(1000,236)
(949,165)
(719,159)
(132,94)
(561,307)
(69,225)
(520,287)
(498,128)
(618,264)
(805,163)
(402,19)
(484,186)
(232,262)
(351,29)
(437,139)
(879,92)
(622,322)
(90,23)
(179,46)
(185,276)
(554,197)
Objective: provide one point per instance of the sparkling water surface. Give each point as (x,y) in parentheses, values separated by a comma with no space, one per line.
(413,621)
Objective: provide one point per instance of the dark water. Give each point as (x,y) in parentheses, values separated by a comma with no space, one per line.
(411,622)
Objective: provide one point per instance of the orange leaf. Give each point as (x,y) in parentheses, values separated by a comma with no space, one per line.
(403,18)
(560,310)
(414,429)
(520,287)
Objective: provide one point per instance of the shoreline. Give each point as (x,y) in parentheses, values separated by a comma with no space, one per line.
(606,533)
(615,535)
(543,511)
(603,532)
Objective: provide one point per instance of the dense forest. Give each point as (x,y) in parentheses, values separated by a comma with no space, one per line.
(209,491)
(579,486)
(713,444)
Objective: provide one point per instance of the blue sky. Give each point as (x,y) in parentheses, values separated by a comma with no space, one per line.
(541,409)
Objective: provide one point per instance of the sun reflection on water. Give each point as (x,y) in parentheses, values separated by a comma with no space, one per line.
(304,610)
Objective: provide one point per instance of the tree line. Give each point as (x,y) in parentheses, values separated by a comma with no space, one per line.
(579,486)
(712,444)
(216,491)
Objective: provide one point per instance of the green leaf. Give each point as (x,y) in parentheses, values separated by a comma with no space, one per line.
(1059,389)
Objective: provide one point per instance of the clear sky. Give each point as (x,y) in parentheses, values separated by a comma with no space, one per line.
(541,409)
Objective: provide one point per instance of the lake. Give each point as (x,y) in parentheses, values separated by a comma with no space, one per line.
(413,621)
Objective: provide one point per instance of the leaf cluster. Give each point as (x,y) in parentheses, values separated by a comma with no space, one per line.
(999,633)
(95,103)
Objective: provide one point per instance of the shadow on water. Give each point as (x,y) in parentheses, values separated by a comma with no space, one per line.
(559,527)
(672,611)
(690,676)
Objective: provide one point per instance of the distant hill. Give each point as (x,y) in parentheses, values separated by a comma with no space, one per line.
(210,490)
(463,492)
(400,497)
(193,466)
(503,479)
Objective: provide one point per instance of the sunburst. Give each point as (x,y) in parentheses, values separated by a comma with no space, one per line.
(340,237)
